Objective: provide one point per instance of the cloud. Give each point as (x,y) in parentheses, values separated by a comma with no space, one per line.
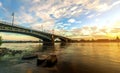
(58,8)
(115,30)
(26,18)
(115,3)
(43,9)
(79,22)
(47,26)
(116,24)
(100,6)
(71,20)
(0,4)
(95,31)
(44,14)
(66,24)
(90,16)
(73,8)
(36,1)
(105,6)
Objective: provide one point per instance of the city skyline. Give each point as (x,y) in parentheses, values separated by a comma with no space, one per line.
(71,18)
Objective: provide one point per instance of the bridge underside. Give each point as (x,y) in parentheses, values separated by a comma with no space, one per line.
(48,39)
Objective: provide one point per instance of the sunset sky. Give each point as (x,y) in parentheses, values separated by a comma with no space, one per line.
(71,18)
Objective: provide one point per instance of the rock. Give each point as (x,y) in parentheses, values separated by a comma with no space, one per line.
(50,61)
(27,57)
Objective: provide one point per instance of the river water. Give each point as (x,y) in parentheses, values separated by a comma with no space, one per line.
(72,58)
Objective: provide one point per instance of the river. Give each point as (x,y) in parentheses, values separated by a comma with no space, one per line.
(72,58)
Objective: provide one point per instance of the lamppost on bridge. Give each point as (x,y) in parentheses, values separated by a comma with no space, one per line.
(12,18)
(53,31)
(41,27)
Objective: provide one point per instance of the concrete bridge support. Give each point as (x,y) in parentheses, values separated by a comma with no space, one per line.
(52,41)
(49,42)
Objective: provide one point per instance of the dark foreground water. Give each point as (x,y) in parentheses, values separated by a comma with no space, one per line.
(72,58)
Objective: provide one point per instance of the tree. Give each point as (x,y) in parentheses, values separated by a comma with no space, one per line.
(117,38)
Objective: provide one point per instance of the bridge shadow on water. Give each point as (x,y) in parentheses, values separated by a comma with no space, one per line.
(46,47)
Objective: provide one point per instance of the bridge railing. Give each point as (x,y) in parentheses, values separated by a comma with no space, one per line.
(5,22)
(8,23)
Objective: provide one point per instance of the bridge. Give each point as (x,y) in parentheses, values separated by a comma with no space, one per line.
(47,38)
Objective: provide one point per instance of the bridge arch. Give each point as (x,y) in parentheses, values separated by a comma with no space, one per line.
(57,40)
(4,27)
(33,35)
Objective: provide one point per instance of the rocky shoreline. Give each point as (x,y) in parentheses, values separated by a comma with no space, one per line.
(4,51)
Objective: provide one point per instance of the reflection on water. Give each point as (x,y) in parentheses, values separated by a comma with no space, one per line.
(72,58)
(22,46)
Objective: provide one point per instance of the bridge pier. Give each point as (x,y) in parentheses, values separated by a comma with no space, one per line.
(48,44)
